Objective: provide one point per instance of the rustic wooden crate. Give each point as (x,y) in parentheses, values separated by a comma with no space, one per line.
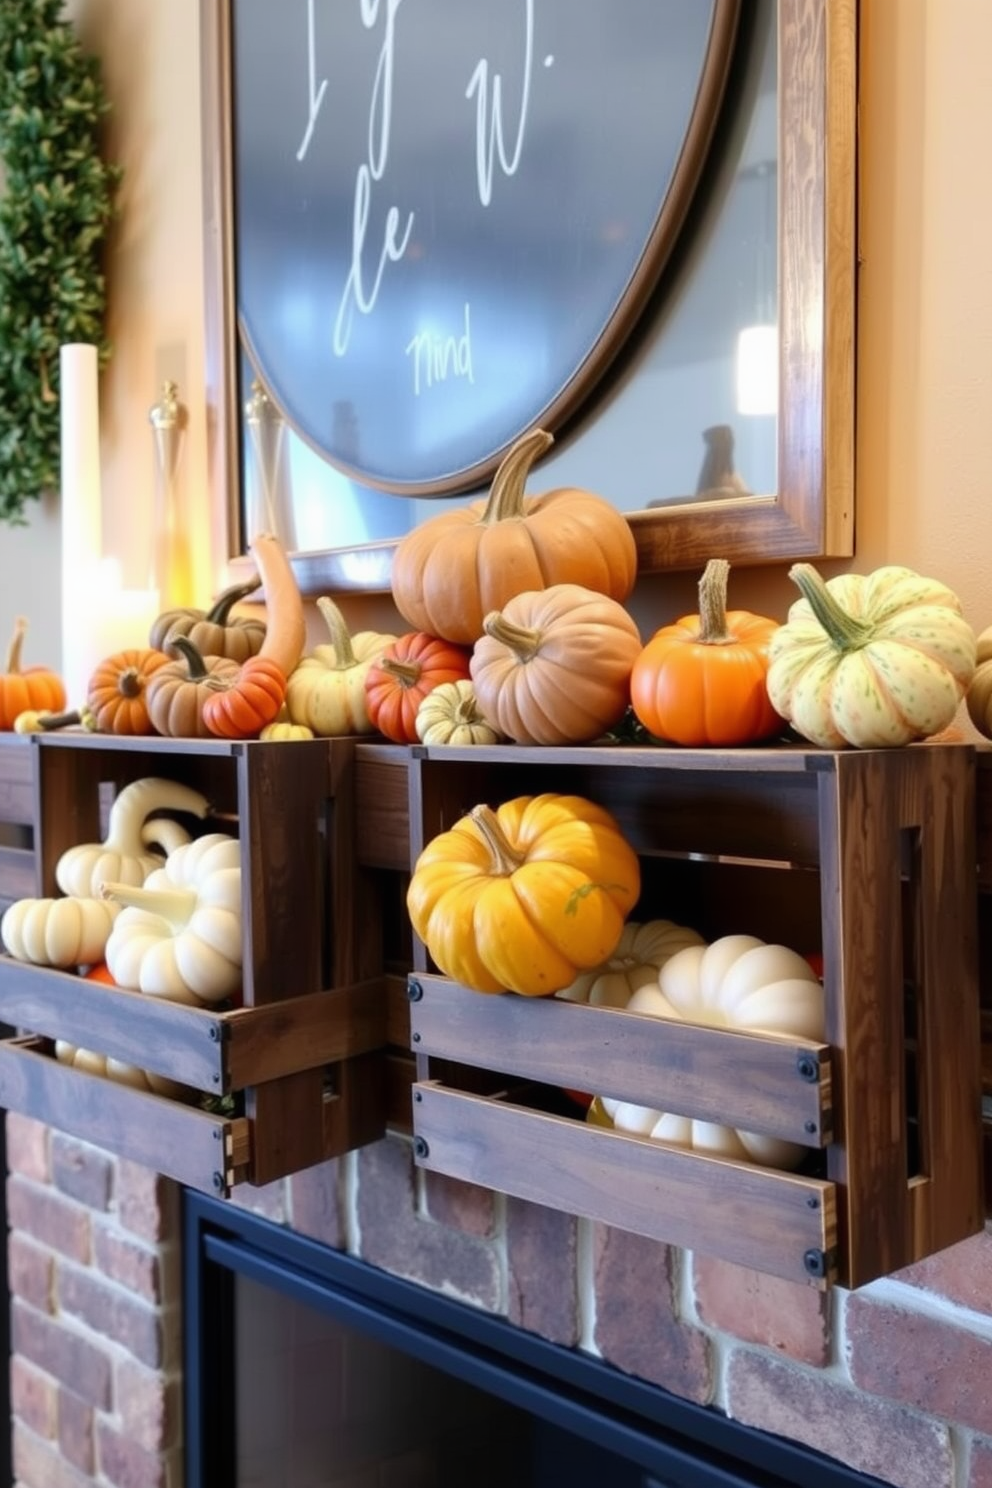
(866,857)
(303,1053)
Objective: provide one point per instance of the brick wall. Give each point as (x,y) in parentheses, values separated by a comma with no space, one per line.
(895,1379)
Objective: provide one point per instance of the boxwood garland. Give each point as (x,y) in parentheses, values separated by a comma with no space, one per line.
(56,203)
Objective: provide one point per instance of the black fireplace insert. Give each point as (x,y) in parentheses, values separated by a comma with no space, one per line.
(306,1367)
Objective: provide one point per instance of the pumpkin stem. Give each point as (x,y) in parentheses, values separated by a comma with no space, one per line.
(505,858)
(130,682)
(506,494)
(175,906)
(32,722)
(522,640)
(713,603)
(192,656)
(339,633)
(221,607)
(844,631)
(406,673)
(14,649)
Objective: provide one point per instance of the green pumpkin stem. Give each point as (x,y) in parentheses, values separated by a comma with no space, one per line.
(522,640)
(13,666)
(192,656)
(339,633)
(221,608)
(506,494)
(713,604)
(843,630)
(505,859)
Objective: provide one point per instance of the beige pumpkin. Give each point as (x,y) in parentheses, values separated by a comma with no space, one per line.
(326,690)
(450,714)
(553,666)
(641,953)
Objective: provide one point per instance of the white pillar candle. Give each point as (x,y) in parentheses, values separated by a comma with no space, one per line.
(81,512)
(119,619)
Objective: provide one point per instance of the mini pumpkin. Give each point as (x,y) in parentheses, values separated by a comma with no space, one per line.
(177,692)
(241,705)
(326,691)
(870,660)
(525,897)
(451,571)
(553,666)
(214,632)
(21,688)
(640,953)
(703,680)
(404,675)
(979,695)
(116,692)
(450,714)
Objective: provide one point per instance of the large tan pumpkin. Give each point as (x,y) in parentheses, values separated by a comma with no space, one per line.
(553,666)
(455,568)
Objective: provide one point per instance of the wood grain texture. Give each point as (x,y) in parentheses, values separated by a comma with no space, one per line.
(16,779)
(713,1074)
(752,1216)
(382,806)
(180,1141)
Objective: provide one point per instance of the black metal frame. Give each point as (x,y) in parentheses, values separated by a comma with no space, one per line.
(682,1444)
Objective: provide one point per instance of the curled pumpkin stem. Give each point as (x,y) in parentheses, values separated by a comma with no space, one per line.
(506,494)
(522,640)
(175,906)
(843,630)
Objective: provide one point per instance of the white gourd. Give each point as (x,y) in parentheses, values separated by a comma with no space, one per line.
(179,936)
(736,982)
(58,932)
(125,856)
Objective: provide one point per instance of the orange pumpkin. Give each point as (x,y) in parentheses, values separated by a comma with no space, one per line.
(703,680)
(406,672)
(116,691)
(245,703)
(554,666)
(37,687)
(455,568)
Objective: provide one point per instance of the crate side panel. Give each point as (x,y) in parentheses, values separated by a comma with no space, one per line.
(383,806)
(751,1216)
(737,1079)
(17,799)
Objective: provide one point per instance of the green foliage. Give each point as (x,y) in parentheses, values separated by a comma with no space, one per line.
(56,204)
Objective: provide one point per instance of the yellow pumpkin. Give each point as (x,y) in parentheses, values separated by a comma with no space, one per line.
(554,665)
(453,569)
(523,898)
(326,690)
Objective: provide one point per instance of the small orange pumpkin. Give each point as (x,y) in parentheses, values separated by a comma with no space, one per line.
(702,681)
(245,703)
(37,687)
(116,691)
(406,672)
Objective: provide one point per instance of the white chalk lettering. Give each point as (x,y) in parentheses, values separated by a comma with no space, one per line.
(437,358)
(489,138)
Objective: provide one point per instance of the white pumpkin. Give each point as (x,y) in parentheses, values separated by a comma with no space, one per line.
(58,932)
(736,982)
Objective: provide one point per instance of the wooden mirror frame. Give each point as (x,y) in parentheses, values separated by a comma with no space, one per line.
(812,513)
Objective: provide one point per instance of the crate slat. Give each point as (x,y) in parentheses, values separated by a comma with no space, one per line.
(775,1222)
(16,780)
(760,1083)
(182,1142)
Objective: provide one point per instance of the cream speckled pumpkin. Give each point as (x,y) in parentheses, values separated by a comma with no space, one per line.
(326,690)
(636,962)
(871,660)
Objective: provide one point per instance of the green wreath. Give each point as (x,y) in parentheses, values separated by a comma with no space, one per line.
(56,204)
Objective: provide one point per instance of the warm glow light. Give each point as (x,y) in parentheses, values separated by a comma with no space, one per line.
(757,370)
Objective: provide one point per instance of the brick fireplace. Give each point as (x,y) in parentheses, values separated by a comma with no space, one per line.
(892,1380)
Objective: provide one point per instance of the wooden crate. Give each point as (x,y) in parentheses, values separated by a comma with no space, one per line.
(302,1056)
(865,857)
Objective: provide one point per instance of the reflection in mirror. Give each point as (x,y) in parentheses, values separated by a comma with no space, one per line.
(685,433)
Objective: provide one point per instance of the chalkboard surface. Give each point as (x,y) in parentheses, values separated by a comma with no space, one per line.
(449,213)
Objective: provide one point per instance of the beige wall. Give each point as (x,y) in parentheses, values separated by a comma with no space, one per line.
(925,339)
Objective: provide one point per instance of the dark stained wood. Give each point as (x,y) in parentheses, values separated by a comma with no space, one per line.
(713,1074)
(382,805)
(265,1043)
(752,1216)
(400,1074)
(397,1012)
(355,1109)
(16,779)
(287,1118)
(164,1135)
